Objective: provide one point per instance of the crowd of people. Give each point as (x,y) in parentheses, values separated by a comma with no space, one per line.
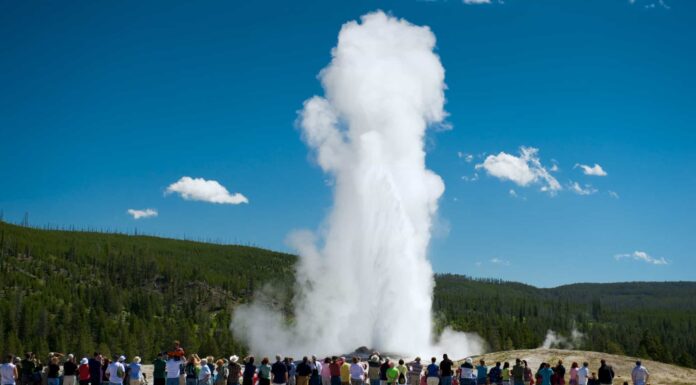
(175,368)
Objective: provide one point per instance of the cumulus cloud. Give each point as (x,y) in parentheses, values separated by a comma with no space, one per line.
(524,170)
(643,257)
(581,190)
(595,170)
(199,189)
(145,213)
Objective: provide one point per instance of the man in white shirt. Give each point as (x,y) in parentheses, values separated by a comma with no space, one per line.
(584,374)
(8,371)
(116,371)
(640,374)
(173,370)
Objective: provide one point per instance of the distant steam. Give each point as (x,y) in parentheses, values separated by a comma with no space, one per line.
(365,280)
(556,340)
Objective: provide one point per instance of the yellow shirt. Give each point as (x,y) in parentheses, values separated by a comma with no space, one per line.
(345,372)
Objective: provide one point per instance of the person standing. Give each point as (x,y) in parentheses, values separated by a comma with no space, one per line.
(605,373)
(116,371)
(315,365)
(481,373)
(95,369)
(518,373)
(234,371)
(8,371)
(494,375)
(265,372)
(560,372)
(446,370)
(159,372)
(53,374)
(304,371)
(173,370)
(83,374)
(403,372)
(249,371)
(345,372)
(28,367)
(357,372)
(528,375)
(466,373)
(292,370)
(70,371)
(204,374)
(325,372)
(546,373)
(505,373)
(392,374)
(414,371)
(222,372)
(573,374)
(279,372)
(191,369)
(373,370)
(640,374)
(135,376)
(584,374)
(432,373)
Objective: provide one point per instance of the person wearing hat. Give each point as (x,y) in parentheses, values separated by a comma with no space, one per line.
(415,368)
(83,374)
(205,374)
(466,373)
(234,371)
(70,371)
(135,374)
(116,370)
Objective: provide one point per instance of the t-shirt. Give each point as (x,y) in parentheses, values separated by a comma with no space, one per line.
(135,371)
(53,371)
(95,369)
(494,374)
(446,367)
(383,371)
(84,372)
(605,374)
(234,370)
(304,369)
(191,370)
(265,371)
(433,370)
(69,368)
(466,371)
(583,375)
(249,370)
(506,374)
(546,374)
(639,374)
(518,372)
(113,371)
(7,374)
(160,370)
(325,371)
(392,375)
(357,371)
(173,368)
(335,369)
(292,369)
(279,371)
(416,368)
(481,372)
(28,366)
(205,373)
(345,372)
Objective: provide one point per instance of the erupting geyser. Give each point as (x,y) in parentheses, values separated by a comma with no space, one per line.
(368,282)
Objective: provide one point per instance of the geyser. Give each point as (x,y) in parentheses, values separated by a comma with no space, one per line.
(365,280)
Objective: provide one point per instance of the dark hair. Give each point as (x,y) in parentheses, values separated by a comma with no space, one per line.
(444,356)
(574,365)
(433,360)
(305,359)
(327,360)
(507,365)
(264,361)
(497,363)
(9,358)
(585,364)
(355,359)
(401,362)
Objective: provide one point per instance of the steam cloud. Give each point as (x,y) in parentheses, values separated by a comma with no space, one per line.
(555,340)
(366,280)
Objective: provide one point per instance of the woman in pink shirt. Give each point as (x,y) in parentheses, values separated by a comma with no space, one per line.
(326,372)
(574,374)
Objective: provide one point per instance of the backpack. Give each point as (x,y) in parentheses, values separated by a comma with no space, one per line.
(402,378)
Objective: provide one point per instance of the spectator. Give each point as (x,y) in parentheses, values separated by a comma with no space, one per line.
(335,370)
(432,373)
(639,374)
(466,373)
(403,372)
(249,371)
(481,373)
(265,372)
(8,371)
(518,373)
(573,374)
(221,373)
(345,372)
(116,371)
(204,373)
(316,366)
(279,372)
(505,373)
(373,370)
(605,373)
(325,372)
(84,372)
(304,371)
(546,373)
(584,374)
(292,370)
(192,369)
(28,365)
(383,371)
(495,374)
(357,372)
(159,372)
(392,374)
(234,371)
(415,370)
(446,370)
(70,371)
(95,369)
(53,374)
(560,372)
(173,370)
(136,372)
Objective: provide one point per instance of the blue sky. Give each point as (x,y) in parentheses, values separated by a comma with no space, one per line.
(103,105)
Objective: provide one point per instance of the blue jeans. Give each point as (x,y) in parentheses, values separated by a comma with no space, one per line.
(335,380)
(53,381)
(173,381)
(191,381)
(446,380)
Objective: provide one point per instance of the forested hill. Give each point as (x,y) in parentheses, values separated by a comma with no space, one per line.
(80,291)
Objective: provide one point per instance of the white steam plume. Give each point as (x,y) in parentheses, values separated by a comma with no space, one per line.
(555,340)
(368,282)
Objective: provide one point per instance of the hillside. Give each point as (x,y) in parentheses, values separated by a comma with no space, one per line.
(79,291)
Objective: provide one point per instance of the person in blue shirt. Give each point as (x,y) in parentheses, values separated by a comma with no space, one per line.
(481,373)
(546,373)
(432,373)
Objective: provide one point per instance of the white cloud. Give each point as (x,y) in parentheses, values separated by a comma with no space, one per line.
(472,178)
(146,213)
(582,190)
(595,170)
(513,193)
(199,189)
(498,261)
(614,194)
(523,170)
(468,158)
(477,2)
(642,256)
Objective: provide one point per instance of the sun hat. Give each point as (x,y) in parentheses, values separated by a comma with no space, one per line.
(121,358)
(136,359)
(84,361)
(234,358)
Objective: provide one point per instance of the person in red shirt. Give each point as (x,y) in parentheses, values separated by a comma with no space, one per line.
(83,372)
